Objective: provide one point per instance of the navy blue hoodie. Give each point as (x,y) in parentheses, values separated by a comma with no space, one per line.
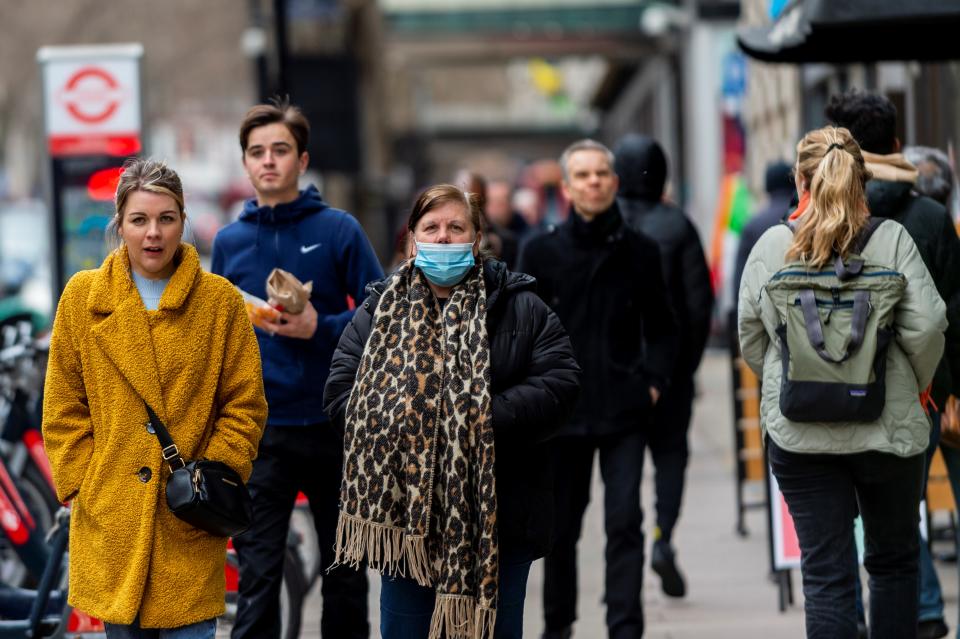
(316,243)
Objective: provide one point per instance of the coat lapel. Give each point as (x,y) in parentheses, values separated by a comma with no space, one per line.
(124,334)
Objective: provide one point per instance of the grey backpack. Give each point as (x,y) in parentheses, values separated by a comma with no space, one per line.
(836,324)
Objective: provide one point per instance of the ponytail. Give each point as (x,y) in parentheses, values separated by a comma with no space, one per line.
(829,161)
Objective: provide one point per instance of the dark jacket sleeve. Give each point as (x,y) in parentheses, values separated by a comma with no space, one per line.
(659,320)
(346,361)
(699,297)
(539,404)
(948,285)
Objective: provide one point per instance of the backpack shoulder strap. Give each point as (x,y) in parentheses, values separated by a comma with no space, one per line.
(855,266)
(873,223)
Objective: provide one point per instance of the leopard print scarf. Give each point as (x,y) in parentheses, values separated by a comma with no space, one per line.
(418,496)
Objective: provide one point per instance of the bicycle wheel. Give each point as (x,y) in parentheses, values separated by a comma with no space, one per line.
(13,569)
(293,592)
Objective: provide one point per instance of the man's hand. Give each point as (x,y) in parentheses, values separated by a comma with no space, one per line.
(654,395)
(300,326)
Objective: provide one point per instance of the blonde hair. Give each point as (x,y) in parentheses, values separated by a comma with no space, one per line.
(143,174)
(830,163)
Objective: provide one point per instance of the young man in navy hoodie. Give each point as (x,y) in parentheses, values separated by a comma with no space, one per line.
(300,451)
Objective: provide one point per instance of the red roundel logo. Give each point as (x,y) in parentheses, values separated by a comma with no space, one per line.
(91,95)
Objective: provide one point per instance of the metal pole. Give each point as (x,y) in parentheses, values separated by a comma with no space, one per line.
(280,27)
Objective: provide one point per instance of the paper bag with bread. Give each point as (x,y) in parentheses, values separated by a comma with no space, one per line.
(286,293)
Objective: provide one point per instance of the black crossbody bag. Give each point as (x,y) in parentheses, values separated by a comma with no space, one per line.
(206,494)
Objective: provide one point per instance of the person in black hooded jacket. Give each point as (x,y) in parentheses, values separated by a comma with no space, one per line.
(642,168)
(872,120)
(604,281)
(534,383)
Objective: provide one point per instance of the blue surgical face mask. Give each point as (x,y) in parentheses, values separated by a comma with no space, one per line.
(444,264)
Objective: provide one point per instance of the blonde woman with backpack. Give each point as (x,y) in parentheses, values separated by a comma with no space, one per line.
(842,322)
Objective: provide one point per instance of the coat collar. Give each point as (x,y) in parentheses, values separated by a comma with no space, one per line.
(113,285)
(124,335)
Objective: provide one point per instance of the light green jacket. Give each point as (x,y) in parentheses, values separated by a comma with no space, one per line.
(919,320)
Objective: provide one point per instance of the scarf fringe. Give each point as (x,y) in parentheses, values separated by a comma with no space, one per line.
(385,549)
(459,617)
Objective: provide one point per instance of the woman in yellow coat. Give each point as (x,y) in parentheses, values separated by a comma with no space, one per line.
(148,325)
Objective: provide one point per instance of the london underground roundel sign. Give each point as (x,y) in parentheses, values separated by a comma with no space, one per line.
(92,99)
(92,95)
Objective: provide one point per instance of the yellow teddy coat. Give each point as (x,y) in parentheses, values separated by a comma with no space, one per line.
(195,360)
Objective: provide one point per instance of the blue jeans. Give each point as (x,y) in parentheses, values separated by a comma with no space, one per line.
(822,493)
(406,606)
(931,597)
(200,630)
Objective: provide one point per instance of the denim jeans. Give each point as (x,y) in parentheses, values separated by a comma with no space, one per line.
(951,456)
(931,596)
(822,493)
(406,606)
(200,630)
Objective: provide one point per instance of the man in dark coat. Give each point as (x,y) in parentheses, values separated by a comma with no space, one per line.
(872,120)
(604,282)
(641,167)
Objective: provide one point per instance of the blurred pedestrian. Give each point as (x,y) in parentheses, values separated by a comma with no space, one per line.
(501,213)
(297,231)
(935,177)
(872,120)
(781,191)
(148,326)
(935,180)
(500,207)
(498,240)
(641,167)
(604,281)
(877,463)
(448,379)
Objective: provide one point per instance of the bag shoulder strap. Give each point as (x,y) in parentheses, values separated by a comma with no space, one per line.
(854,267)
(171,454)
(863,237)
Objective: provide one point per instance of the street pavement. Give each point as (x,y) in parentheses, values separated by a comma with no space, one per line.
(729,593)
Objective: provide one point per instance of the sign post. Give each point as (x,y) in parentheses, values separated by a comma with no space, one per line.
(92,115)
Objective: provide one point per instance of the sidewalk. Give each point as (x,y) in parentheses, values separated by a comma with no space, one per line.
(729,594)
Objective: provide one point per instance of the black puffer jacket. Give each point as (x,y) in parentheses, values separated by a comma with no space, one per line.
(603,280)
(535,384)
(642,169)
(932,230)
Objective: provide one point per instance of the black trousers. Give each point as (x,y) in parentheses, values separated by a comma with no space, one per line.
(824,493)
(621,466)
(293,459)
(667,440)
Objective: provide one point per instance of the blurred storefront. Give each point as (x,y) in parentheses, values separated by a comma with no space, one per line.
(806,51)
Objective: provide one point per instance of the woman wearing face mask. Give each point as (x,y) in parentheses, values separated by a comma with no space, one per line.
(448,381)
(147,327)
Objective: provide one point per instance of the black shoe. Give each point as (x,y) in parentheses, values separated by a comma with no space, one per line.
(664,563)
(862,630)
(566,633)
(933,629)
